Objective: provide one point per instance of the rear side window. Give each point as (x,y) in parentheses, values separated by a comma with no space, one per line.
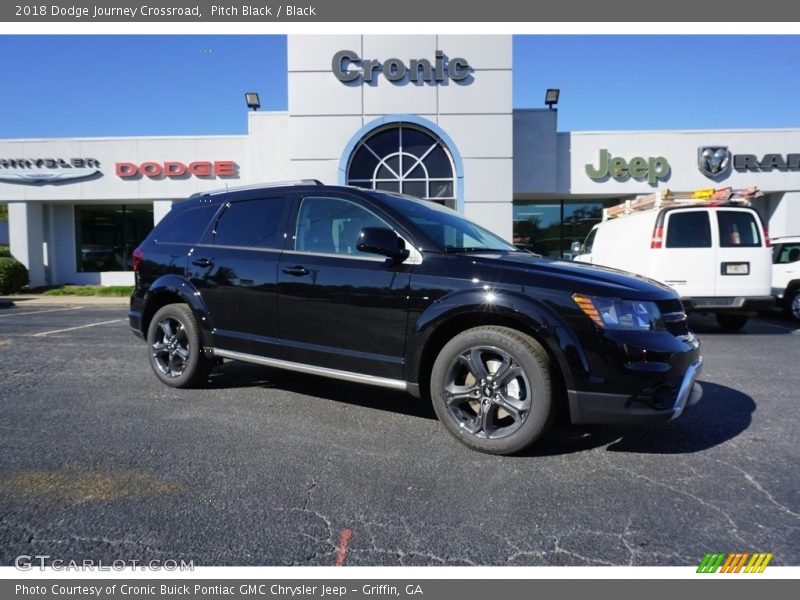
(688,230)
(187,226)
(251,223)
(738,229)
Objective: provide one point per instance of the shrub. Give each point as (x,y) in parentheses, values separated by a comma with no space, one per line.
(5,251)
(13,276)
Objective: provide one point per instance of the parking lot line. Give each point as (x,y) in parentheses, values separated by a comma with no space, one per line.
(781,327)
(36,312)
(44,333)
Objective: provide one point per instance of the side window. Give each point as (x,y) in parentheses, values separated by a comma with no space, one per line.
(187,226)
(331,226)
(251,223)
(688,229)
(788,253)
(738,229)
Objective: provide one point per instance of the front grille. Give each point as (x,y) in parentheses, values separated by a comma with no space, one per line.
(674,317)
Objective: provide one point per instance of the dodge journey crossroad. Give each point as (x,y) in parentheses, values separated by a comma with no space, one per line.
(393,291)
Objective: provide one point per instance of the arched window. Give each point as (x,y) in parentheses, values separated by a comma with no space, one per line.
(405,159)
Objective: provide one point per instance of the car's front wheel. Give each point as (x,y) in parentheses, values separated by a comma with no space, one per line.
(792,304)
(491,387)
(175,347)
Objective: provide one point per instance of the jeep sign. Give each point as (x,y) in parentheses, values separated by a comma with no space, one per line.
(652,169)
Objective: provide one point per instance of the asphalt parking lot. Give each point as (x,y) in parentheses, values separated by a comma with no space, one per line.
(101,461)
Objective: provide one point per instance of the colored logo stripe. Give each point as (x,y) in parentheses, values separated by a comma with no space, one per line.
(733,563)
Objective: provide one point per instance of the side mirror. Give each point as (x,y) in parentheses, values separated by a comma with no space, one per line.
(576,247)
(383,241)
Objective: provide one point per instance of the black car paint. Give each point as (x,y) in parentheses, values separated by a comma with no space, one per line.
(374,316)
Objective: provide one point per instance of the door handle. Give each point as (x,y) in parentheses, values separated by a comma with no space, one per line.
(297,270)
(202,262)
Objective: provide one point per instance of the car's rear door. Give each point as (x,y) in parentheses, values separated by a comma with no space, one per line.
(744,262)
(686,259)
(235,272)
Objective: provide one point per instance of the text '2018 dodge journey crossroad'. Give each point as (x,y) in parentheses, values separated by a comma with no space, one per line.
(398,292)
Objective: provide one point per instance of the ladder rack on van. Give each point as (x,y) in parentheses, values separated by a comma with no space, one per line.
(666,198)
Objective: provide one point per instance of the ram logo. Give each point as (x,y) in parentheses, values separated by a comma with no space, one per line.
(713,161)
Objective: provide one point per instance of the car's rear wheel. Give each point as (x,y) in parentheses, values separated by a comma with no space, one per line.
(491,388)
(175,347)
(731,323)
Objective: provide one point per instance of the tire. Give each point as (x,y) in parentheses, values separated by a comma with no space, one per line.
(731,323)
(175,347)
(792,305)
(514,406)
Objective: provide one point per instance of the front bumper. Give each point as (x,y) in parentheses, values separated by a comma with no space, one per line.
(670,403)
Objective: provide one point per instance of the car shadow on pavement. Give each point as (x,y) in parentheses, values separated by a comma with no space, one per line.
(235,374)
(722,414)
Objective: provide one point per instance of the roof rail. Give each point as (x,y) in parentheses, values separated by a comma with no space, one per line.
(258,186)
(668,198)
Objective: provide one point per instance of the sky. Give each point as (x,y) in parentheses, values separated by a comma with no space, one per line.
(85,86)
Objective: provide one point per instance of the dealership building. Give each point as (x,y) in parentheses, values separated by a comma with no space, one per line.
(427,115)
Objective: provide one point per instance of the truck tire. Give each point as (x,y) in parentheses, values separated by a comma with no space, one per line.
(731,323)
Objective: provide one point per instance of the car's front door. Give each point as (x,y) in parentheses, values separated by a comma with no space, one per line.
(340,308)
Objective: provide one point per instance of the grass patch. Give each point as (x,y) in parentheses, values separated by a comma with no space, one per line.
(90,290)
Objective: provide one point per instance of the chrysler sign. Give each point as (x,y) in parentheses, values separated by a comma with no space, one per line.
(47,170)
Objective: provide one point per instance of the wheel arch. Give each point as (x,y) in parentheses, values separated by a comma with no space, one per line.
(174,289)
(522,314)
(791,287)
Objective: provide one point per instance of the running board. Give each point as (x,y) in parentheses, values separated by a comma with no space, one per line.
(394,384)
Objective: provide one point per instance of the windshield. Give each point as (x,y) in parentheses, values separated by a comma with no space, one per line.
(445,226)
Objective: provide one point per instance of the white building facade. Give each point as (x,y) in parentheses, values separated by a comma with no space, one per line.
(426,115)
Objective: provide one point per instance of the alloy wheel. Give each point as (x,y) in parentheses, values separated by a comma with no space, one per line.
(171,348)
(487,392)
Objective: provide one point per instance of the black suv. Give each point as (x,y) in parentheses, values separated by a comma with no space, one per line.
(398,292)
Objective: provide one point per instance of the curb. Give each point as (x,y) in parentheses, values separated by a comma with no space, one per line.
(37,300)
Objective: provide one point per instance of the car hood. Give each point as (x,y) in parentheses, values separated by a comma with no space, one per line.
(531,269)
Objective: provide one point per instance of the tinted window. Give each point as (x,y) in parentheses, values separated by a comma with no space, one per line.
(688,230)
(787,253)
(737,229)
(251,223)
(331,225)
(187,226)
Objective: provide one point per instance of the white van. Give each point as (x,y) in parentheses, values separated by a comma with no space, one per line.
(717,257)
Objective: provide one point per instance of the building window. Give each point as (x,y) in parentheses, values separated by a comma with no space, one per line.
(106,235)
(548,227)
(405,159)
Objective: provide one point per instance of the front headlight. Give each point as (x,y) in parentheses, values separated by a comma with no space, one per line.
(615,313)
